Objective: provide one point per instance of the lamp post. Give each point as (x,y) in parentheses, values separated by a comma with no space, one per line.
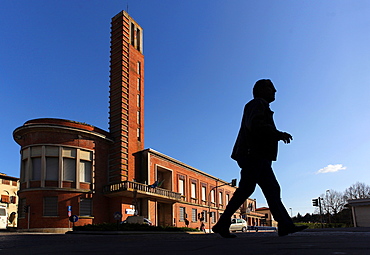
(326,203)
(232,184)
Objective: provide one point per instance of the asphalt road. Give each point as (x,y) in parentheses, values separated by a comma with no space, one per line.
(318,242)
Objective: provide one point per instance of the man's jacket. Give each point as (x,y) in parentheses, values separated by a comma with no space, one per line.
(258,136)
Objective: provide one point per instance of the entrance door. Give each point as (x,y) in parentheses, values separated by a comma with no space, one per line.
(164,214)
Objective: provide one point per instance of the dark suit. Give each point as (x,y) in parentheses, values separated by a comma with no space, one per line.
(255,148)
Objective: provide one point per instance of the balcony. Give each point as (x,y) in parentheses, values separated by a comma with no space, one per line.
(140,190)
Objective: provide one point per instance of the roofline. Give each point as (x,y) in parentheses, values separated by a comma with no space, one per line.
(149,150)
(358,202)
(7,177)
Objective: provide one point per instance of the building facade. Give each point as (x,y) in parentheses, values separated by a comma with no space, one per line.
(69,167)
(9,198)
(360,212)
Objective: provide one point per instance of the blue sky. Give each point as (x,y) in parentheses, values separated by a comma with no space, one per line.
(201,61)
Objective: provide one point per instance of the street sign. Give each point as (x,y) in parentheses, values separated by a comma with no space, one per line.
(117,216)
(73,218)
(69,209)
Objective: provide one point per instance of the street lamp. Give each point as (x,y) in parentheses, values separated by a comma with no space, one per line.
(232,184)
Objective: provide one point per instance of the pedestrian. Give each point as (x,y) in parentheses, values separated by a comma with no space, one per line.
(255,148)
(202,227)
(186,222)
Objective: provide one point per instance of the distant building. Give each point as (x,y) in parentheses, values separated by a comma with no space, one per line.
(268,219)
(9,200)
(72,168)
(360,212)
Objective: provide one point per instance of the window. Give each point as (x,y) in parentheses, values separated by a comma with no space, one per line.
(132,34)
(220,201)
(69,169)
(204,215)
(50,206)
(23,170)
(138,39)
(182,214)
(212,196)
(5,199)
(213,215)
(194,215)
(227,198)
(36,169)
(182,187)
(13,199)
(85,171)
(204,193)
(51,163)
(86,207)
(138,84)
(138,117)
(52,169)
(193,190)
(138,67)
(138,135)
(138,100)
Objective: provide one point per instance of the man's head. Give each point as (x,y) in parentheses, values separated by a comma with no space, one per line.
(264,89)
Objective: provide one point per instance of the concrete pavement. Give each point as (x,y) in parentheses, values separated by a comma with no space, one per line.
(333,241)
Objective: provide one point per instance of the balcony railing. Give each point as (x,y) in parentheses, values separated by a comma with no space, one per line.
(140,188)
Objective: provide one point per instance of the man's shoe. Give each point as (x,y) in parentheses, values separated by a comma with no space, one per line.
(283,231)
(223,231)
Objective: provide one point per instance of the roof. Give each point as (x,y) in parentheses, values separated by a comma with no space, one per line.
(359,202)
(7,177)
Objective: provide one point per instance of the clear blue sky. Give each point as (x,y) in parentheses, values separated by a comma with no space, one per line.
(201,60)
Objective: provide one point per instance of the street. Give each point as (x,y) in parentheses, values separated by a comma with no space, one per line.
(308,242)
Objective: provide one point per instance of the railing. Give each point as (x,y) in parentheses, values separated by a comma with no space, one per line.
(143,188)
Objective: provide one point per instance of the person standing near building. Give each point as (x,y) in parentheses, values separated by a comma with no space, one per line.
(255,148)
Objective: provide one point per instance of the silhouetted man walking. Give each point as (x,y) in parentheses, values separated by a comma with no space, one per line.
(255,148)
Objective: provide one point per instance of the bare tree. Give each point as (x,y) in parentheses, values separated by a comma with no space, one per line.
(359,190)
(332,202)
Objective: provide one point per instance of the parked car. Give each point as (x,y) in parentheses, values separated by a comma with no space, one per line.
(238,225)
(137,219)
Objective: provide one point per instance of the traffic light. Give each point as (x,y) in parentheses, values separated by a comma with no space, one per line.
(315,202)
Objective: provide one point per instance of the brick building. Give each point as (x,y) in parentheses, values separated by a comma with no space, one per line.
(95,173)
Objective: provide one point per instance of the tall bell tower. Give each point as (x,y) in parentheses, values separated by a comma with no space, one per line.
(126,100)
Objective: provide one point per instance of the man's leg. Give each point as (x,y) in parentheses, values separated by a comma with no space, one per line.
(246,187)
(271,189)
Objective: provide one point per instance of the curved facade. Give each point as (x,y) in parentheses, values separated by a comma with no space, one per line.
(62,162)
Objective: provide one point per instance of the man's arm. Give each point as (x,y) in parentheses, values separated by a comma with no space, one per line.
(285,137)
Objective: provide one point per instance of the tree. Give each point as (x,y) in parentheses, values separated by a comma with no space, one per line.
(359,190)
(332,202)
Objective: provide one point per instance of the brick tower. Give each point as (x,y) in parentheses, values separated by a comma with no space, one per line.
(126,104)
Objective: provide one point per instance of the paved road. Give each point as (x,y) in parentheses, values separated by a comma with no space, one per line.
(326,242)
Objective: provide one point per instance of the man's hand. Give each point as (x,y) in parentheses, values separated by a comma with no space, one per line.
(285,137)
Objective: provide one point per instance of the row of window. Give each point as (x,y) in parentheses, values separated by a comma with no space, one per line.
(195,215)
(8,182)
(8,199)
(210,196)
(51,208)
(53,163)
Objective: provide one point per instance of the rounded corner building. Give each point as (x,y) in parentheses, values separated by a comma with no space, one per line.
(72,168)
